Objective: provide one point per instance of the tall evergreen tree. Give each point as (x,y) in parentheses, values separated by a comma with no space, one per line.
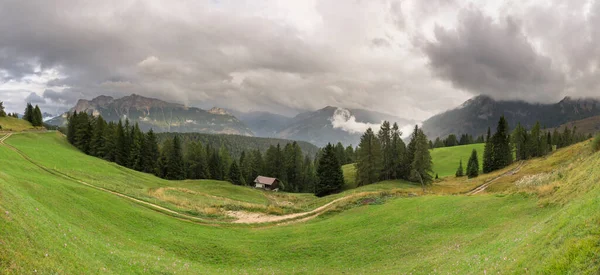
(387,151)
(410,151)
(150,152)
(246,167)
(136,151)
(521,142)
(121,148)
(421,165)
(71,121)
(36,118)
(488,153)
(502,154)
(98,142)
(258,166)
(340,152)
(175,168)
(234,174)
(2,112)
(398,154)
(349,153)
(293,165)
(329,173)
(28,114)
(196,161)
(369,159)
(473,165)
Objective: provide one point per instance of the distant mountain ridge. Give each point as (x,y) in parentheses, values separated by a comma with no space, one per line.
(478,113)
(159,115)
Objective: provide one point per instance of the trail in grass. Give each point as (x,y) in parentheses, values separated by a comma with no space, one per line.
(485,185)
(241,216)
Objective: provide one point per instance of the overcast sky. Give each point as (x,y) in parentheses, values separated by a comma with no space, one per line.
(409,58)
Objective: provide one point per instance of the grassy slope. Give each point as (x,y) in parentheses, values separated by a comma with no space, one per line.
(53,225)
(14,124)
(446,160)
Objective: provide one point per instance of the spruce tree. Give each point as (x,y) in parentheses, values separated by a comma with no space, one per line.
(387,151)
(234,174)
(400,170)
(460,171)
(110,142)
(97,144)
(121,148)
(410,151)
(151,152)
(257,166)
(36,119)
(196,161)
(502,154)
(28,115)
(421,165)
(83,132)
(473,165)
(2,112)
(136,160)
(369,159)
(175,168)
(340,152)
(71,121)
(349,153)
(329,173)
(488,153)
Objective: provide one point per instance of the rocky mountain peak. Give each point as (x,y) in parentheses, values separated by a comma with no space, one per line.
(218,111)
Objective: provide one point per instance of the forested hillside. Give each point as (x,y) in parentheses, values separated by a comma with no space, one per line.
(236,144)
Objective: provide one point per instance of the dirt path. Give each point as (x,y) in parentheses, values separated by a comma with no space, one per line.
(485,185)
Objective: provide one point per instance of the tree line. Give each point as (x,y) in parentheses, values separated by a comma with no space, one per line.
(33,115)
(128,146)
(385,156)
(452,140)
(504,147)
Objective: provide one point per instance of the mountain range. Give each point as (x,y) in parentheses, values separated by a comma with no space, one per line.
(316,127)
(477,114)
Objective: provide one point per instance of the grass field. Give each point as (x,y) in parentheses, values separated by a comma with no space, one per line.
(446,160)
(14,124)
(49,224)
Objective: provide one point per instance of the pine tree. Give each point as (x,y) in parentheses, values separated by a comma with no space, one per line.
(369,159)
(521,141)
(234,174)
(257,166)
(387,151)
(36,119)
(502,154)
(460,171)
(121,152)
(28,115)
(2,112)
(350,158)
(97,144)
(110,142)
(410,151)
(196,161)
(136,160)
(488,153)
(83,132)
(473,165)
(340,152)
(150,152)
(175,170)
(215,166)
(421,165)
(329,173)
(308,176)
(246,167)
(400,170)
(71,121)
(293,165)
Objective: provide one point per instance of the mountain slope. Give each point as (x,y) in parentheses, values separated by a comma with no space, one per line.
(51,224)
(317,127)
(264,124)
(481,112)
(159,115)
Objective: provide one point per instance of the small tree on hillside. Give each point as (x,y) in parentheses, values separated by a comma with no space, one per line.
(460,171)
(330,178)
(473,165)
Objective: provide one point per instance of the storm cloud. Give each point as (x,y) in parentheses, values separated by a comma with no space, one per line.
(405,58)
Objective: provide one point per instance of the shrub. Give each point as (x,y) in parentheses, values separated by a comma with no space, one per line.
(596,143)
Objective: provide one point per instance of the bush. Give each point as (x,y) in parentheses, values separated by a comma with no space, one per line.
(596,143)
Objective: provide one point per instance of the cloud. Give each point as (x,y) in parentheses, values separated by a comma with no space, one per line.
(344,120)
(496,59)
(33,98)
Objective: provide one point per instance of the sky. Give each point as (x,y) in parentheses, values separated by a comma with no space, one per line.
(408,58)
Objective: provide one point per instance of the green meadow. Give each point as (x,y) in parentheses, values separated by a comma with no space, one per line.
(537,221)
(446,159)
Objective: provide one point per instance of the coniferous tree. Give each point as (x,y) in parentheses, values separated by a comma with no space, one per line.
(340,152)
(97,144)
(520,141)
(257,166)
(398,154)
(460,171)
(196,161)
(473,165)
(28,115)
(369,159)
(488,153)
(308,176)
(121,148)
(349,153)
(329,173)
(83,132)
(215,165)
(502,154)
(150,152)
(136,159)
(387,151)
(246,167)
(421,165)
(234,174)
(293,165)
(110,142)
(175,168)
(71,121)
(36,119)
(2,112)
(410,151)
